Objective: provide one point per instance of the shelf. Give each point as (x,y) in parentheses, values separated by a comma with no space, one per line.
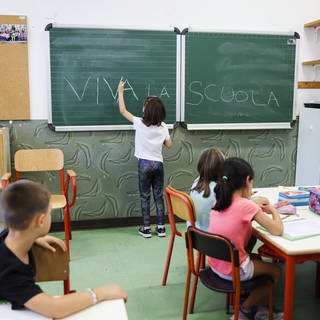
(312,24)
(311,63)
(309,85)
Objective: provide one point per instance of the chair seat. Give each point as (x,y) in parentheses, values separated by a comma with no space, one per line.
(58,201)
(214,282)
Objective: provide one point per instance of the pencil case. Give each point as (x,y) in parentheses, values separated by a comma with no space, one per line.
(314,200)
(286,208)
(296,198)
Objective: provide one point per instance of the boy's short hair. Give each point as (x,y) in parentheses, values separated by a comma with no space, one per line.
(21,200)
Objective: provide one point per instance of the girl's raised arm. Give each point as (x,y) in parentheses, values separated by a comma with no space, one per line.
(122,106)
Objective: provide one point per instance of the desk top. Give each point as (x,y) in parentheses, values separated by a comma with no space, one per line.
(111,309)
(296,247)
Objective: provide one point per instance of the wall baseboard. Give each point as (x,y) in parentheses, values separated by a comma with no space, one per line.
(103,223)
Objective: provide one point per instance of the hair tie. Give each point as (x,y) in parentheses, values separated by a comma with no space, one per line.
(224,178)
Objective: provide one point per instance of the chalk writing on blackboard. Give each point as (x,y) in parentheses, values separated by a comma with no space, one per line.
(215,93)
(102,85)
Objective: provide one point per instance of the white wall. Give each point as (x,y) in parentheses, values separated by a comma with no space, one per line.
(247,15)
(232,15)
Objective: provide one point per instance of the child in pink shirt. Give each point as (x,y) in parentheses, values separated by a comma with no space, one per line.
(232,216)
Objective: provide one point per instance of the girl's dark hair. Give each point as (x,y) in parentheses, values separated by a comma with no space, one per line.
(233,177)
(21,201)
(154,111)
(209,167)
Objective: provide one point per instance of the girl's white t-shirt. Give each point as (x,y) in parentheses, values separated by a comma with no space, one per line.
(149,140)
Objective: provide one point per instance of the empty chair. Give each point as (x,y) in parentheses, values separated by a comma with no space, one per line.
(51,160)
(179,205)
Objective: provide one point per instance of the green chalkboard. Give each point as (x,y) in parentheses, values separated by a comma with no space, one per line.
(239,78)
(87,64)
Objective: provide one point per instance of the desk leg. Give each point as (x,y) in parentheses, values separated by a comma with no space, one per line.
(289,288)
(318,279)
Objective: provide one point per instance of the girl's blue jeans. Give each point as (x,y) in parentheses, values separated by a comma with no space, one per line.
(151,176)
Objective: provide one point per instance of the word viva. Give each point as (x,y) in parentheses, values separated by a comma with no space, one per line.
(226,94)
(101,86)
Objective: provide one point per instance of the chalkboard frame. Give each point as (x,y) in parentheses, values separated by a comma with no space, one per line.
(180,89)
(175,32)
(237,125)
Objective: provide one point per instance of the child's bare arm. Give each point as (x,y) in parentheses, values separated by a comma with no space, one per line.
(47,242)
(63,306)
(168,143)
(274,225)
(122,106)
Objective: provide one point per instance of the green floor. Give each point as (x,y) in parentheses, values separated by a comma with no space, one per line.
(121,256)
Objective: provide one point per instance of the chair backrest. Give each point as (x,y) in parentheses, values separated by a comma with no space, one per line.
(211,245)
(180,204)
(50,266)
(29,160)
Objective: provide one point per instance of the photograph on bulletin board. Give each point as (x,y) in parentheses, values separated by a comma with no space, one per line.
(13,32)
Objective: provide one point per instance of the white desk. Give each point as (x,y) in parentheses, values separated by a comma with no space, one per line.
(106,310)
(293,252)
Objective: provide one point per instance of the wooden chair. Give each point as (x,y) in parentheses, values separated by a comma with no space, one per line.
(180,205)
(52,266)
(35,160)
(219,247)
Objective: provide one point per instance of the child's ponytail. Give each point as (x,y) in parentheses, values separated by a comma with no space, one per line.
(234,174)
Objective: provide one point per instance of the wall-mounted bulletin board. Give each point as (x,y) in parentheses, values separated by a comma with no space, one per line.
(14,78)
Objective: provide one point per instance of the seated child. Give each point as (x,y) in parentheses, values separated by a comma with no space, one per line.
(232,217)
(202,190)
(25,206)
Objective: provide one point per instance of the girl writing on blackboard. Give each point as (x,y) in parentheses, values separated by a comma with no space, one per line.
(232,216)
(151,134)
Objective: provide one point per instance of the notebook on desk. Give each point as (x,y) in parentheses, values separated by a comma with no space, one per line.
(300,229)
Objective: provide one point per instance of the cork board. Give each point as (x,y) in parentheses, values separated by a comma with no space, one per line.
(14,79)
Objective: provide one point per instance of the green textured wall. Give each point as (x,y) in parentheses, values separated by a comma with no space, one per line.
(107,169)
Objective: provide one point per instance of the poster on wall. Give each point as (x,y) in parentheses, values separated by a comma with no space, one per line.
(13,32)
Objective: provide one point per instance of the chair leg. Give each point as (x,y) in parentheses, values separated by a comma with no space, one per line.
(229,301)
(66,227)
(317,290)
(66,286)
(69,223)
(236,305)
(186,296)
(195,282)
(270,300)
(166,269)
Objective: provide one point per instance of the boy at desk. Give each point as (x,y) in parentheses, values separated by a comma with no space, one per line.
(25,206)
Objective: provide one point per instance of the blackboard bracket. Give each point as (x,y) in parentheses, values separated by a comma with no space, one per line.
(48,27)
(240,126)
(51,127)
(181,124)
